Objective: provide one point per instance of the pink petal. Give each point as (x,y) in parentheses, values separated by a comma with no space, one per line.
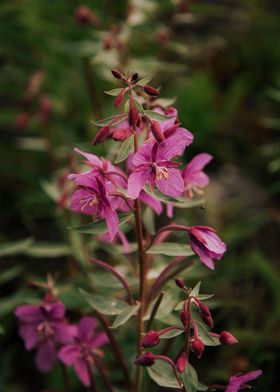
(200,251)
(198,162)
(112,221)
(136,182)
(213,242)
(29,313)
(143,156)
(86,328)
(82,371)
(46,356)
(29,334)
(169,148)
(61,332)
(95,160)
(99,340)
(169,210)
(151,202)
(173,185)
(250,376)
(69,354)
(165,124)
(57,311)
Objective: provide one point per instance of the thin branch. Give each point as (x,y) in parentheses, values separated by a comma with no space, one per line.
(103,374)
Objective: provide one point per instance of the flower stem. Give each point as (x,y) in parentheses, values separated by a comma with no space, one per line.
(103,374)
(65,376)
(93,386)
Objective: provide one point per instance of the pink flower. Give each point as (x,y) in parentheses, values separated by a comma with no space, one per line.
(42,327)
(238,382)
(93,198)
(206,244)
(194,177)
(80,354)
(152,165)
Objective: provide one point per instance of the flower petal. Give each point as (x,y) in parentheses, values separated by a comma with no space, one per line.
(169,148)
(29,334)
(69,354)
(61,332)
(29,313)
(112,221)
(82,371)
(46,356)
(99,340)
(86,328)
(57,311)
(94,159)
(198,162)
(136,182)
(200,250)
(143,156)
(151,202)
(173,185)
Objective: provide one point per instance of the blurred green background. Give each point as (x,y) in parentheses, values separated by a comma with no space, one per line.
(221,59)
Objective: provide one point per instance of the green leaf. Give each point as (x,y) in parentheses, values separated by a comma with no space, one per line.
(17,247)
(114,92)
(195,290)
(125,150)
(149,220)
(179,202)
(203,297)
(51,190)
(207,339)
(47,250)
(100,227)
(108,306)
(139,107)
(157,116)
(190,378)
(145,80)
(163,375)
(125,315)
(171,249)
(166,101)
(171,334)
(10,274)
(104,121)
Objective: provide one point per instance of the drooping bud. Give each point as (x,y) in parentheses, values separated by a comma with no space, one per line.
(116,74)
(197,347)
(103,134)
(157,131)
(133,113)
(179,282)
(181,362)
(151,339)
(205,314)
(151,91)
(119,99)
(185,318)
(134,77)
(227,338)
(146,359)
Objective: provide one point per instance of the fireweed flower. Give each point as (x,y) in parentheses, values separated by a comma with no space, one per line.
(43,327)
(92,198)
(152,165)
(80,353)
(206,244)
(194,177)
(238,382)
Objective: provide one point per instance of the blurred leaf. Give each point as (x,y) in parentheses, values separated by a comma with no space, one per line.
(149,220)
(125,150)
(139,107)
(195,290)
(157,116)
(100,227)
(171,334)
(44,249)
(17,247)
(171,249)
(108,306)
(114,92)
(10,274)
(177,202)
(163,375)
(125,315)
(51,190)
(145,80)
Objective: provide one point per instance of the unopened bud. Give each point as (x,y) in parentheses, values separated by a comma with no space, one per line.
(157,131)
(134,77)
(119,99)
(45,108)
(227,338)
(185,318)
(116,74)
(22,120)
(205,314)
(151,91)
(84,15)
(133,115)
(146,359)
(179,282)
(151,339)
(197,347)
(181,362)
(103,134)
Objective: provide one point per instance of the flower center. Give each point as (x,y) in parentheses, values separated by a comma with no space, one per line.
(88,202)
(45,330)
(161,172)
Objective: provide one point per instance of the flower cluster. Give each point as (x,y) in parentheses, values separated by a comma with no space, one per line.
(44,328)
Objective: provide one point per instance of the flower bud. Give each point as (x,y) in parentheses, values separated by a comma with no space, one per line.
(134,77)
(116,74)
(146,359)
(181,362)
(133,115)
(227,338)
(119,99)
(157,131)
(151,339)
(197,347)
(103,134)
(84,15)
(151,91)
(22,120)
(185,318)
(179,282)
(45,108)
(205,314)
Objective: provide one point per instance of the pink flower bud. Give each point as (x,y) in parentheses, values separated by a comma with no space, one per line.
(134,77)
(181,362)
(132,115)
(151,339)
(103,134)
(157,131)
(205,314)
(45,108)
(119,99)
(151,91)
(197,347)
(84,15)
(185,318)
(179,283)
(227,338)
(146,359)
(116,74)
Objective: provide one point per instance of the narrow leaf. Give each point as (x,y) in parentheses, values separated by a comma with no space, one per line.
(10,274)
(190,378)
(125,150)
(207,339)
(104,121)
(171,249)
(162,374)
(100,227)
(108,306)
(139,107)
(171,334)
(114,92)
(125,315)
(145,80)
(157,116)
(179,202)
(195,290)
(13,248)
(47,250)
